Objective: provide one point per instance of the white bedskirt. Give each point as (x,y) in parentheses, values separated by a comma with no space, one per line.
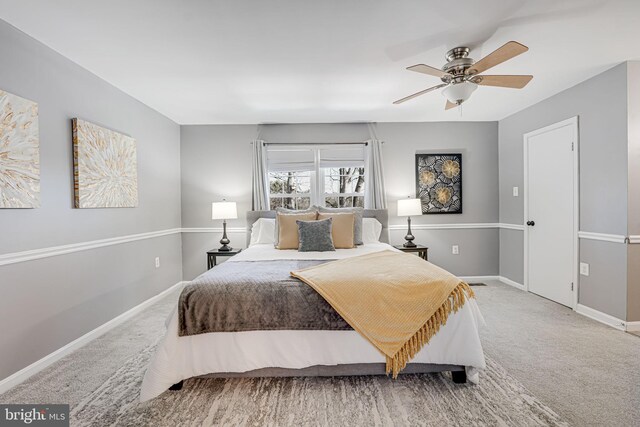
(178,358)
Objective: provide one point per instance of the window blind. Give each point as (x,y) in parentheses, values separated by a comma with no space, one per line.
(336,156)
(284,159)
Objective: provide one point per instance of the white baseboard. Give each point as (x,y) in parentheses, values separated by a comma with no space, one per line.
(601,317)
(35,367)
(479,279)
(510,282)
(633,326)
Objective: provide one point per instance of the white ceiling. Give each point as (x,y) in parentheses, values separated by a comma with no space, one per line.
(288,61)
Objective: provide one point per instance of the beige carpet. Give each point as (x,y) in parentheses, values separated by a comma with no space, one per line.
(101,380)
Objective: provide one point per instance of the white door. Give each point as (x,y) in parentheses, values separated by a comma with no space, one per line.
(550,211)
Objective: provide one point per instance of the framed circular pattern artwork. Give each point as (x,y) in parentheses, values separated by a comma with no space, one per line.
(439,183)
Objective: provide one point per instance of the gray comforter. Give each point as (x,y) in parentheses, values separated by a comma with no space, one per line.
(254,296)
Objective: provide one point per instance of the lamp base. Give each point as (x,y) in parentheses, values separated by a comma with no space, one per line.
(409,237)
(225,240)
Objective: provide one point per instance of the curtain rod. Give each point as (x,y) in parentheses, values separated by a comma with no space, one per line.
(316,143)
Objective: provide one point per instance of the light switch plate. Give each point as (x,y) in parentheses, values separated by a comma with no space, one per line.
(515,191)
(157,262)
(584,269)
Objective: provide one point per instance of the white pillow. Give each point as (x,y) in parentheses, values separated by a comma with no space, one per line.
(263,232)
(371,230)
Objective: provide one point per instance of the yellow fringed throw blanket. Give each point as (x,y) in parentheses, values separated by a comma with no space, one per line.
(395,300)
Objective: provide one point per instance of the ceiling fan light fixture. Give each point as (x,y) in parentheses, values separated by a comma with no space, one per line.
(457,93)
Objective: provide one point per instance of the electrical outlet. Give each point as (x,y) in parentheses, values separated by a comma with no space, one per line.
(515,191)
(584,269)
(455,250)
(157,262)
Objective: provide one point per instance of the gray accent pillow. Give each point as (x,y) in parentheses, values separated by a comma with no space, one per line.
(357,228)
(276,238)
(315,236)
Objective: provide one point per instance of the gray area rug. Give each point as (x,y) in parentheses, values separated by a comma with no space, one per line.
(426,399)
(101,382)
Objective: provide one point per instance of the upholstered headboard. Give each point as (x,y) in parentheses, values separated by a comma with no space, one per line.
(380,214)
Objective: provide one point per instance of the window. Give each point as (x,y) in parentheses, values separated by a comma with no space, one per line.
(343,187)
(329,175)
(291,190)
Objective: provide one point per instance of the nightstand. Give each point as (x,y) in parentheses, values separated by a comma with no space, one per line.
(419,249)
(212,255)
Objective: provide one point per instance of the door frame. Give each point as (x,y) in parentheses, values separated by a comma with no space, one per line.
(573,123)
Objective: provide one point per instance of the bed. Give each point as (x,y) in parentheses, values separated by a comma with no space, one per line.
(455,347)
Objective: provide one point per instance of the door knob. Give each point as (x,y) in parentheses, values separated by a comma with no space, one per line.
(531,223)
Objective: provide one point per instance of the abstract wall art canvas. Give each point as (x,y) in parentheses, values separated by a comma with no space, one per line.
(19,152)
(105,167)
(439,183)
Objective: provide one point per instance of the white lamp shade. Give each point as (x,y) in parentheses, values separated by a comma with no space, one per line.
(224,210)
(459,92)
(409,207)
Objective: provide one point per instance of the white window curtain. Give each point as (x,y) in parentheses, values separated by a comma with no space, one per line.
(260,193)
(375,195)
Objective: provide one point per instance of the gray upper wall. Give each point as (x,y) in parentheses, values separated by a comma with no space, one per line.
(633,82)
(55,300)
(633,252)
(477,141)
(64,90)
(216,163)
(601,105)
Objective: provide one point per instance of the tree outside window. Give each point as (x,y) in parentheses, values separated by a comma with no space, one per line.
(344,187)
(291,190)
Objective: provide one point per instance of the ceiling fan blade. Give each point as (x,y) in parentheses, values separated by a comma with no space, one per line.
(422,92)
(450,105)
(515,82)
(425,69)
(505,52)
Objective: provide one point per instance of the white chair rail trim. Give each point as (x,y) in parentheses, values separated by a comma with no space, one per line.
(30,255)
(614,238)
(507,226)
(16,257)
(35,254)
(458,226)
(214,230)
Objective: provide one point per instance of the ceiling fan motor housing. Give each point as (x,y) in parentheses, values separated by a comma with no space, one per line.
(458,62)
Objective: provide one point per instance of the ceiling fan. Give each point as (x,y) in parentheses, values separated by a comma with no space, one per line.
(461,75)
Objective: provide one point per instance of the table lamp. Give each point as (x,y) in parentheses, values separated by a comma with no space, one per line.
(408,208)
(224,210)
